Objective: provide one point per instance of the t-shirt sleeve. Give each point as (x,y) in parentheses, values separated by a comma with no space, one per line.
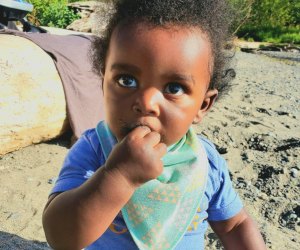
(82,160)
(225,202)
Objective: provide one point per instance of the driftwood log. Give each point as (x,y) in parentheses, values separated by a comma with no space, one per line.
(32,101)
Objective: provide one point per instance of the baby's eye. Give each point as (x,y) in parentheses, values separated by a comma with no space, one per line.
(175,89)
(127,81)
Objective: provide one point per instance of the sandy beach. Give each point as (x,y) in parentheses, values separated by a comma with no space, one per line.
(255,127)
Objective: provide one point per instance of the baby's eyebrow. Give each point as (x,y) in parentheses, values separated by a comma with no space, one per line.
(125,67)
(180,77)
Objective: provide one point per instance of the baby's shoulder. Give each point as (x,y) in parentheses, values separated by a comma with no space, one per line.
(89,143)
(218,172)
(90,136)
(214,157)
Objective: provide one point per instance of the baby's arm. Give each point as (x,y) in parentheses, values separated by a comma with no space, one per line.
(239,232)
(76,218)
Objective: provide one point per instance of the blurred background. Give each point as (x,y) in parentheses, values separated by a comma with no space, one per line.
(275,21)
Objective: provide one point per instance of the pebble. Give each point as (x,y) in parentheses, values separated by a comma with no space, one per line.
(14,216)
(294,172)
(271,134)
(284,159)
(245,156)
(224,124)
(52,180)
(264,197)
(241,185)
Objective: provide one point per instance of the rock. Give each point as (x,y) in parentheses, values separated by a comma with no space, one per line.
(32,100)
(288,144)
(256,142)
(84,6)
(294,172)
(290,218)
(245,156)
(263,196)
(221,150)
(284,159)
(93,16)
(241,183)
(52,180)
(81,25)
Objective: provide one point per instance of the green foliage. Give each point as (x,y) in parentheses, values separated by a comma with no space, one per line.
(267,20)
(53,13)
(271,34)
(267,12)
(242,11)
(275,12)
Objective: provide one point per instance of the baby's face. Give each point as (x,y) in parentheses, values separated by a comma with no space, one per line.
(156,77)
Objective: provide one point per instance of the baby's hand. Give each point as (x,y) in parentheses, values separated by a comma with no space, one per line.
(138,156)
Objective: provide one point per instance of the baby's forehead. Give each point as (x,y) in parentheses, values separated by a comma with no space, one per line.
(126,32)
(162,37)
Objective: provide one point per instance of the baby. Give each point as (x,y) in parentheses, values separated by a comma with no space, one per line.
(142,179)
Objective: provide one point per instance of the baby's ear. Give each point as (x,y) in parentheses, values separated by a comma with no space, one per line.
(208,101)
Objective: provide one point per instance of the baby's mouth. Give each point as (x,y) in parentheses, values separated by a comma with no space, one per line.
(127,128)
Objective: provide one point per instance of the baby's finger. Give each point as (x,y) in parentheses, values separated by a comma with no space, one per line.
(153,138)
(161,149)
(139,132)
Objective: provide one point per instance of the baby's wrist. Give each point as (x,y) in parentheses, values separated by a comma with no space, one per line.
(120,178)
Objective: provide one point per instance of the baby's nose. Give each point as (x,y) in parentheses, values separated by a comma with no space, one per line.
(147,102)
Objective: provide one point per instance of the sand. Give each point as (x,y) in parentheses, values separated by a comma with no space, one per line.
(256,128)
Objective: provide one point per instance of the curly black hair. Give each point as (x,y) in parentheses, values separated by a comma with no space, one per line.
(211,16)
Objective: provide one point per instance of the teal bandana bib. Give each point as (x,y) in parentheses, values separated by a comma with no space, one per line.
(160,211)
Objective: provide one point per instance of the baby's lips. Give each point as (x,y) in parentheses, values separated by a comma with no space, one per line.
(142,125)
(129,127)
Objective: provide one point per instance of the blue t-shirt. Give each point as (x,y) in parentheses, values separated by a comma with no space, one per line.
(220,202)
